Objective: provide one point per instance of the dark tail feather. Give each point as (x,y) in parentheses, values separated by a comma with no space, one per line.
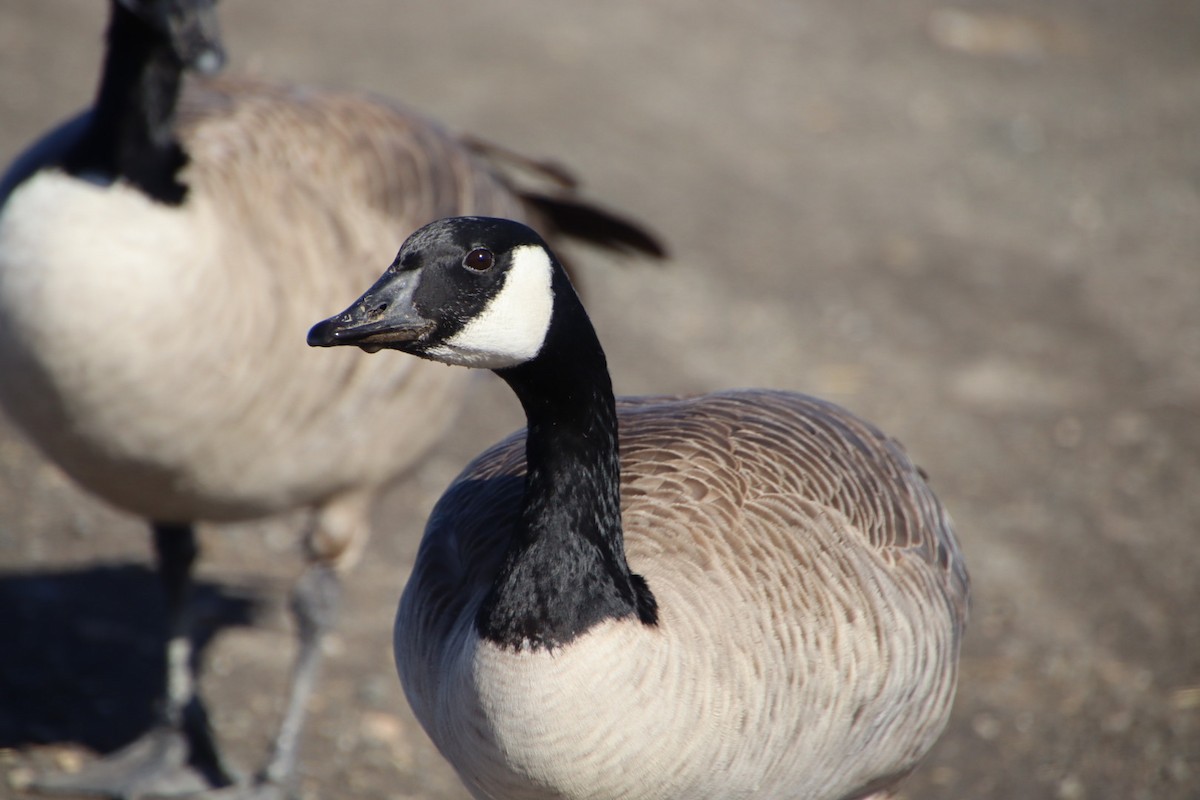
(558,204)
(594,225)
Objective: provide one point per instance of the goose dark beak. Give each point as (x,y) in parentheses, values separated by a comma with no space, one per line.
(384,317)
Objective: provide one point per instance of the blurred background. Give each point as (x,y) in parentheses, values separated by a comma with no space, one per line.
(977,223)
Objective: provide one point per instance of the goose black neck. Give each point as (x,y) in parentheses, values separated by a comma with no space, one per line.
(130,135)
(566,570)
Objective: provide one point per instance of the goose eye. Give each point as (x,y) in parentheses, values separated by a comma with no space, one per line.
(479,259)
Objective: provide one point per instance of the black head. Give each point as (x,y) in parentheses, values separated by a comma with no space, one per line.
(471,291)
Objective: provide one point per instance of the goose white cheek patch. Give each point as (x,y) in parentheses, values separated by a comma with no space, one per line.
(512,326)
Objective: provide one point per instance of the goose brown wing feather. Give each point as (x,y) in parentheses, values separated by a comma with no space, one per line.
(370,149)
(393,159)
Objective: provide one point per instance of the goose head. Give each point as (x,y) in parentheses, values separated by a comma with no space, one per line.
(189,26)
(469,291)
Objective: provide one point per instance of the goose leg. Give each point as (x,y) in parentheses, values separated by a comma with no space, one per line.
(339,532)
(178,755)
(315,602)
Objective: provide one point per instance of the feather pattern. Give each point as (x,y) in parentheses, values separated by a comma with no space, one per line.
(793,549)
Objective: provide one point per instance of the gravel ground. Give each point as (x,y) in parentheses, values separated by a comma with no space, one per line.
(977,224)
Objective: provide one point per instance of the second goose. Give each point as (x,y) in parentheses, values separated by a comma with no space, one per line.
(247,205)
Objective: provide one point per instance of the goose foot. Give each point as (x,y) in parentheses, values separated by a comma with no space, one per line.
(162,763)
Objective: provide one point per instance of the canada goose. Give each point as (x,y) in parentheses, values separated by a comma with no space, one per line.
(236,202)
(756,595)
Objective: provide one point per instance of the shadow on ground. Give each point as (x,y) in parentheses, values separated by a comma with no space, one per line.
(83,652)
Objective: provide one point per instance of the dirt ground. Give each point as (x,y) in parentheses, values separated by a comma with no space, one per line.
(977,224)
